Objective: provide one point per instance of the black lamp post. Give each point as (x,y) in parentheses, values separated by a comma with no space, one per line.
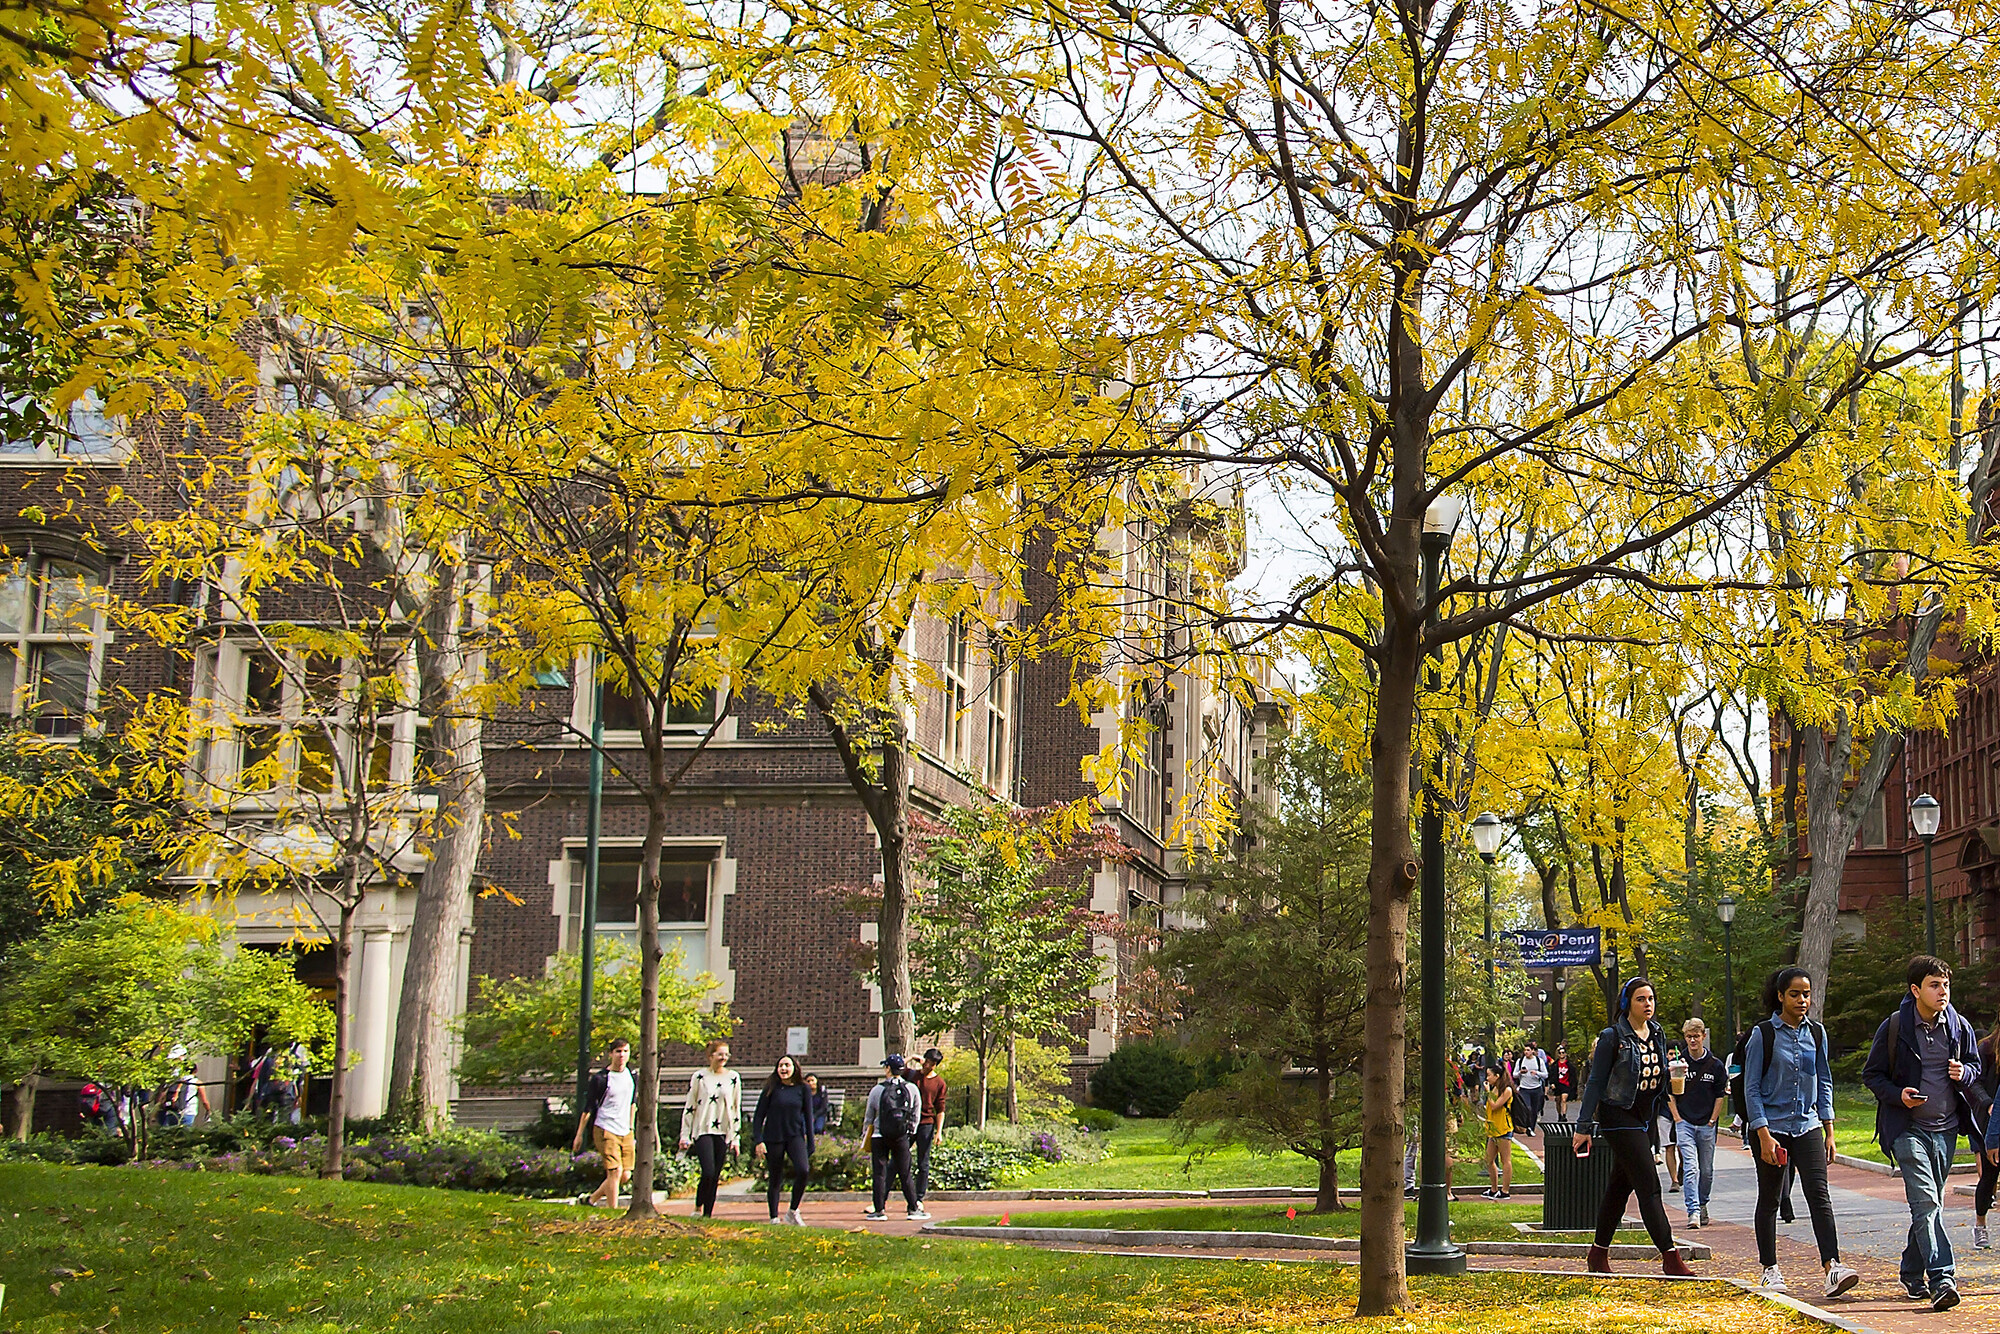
(594,820)
(1542,999)
(1725,908)
(1433,1251)
(1487,831)
(1556,1020)
(1924,813)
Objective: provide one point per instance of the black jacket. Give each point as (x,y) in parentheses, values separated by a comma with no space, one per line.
(1893,1065)
(784,1114)
(1614,1075)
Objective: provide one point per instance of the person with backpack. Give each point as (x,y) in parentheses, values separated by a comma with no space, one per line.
(894,1108)
(96,1106)
(180,1100)
(608,1100)
(1697,1102)
(1627,1080)
(1922,1067)
(1788,1105)
(1499,1134)
(712,1123)
(1531,1077)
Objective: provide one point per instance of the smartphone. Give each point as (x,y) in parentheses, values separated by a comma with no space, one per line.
(1922,1097)
(1784,1155)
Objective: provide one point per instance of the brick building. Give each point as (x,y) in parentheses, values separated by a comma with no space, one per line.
(766,833)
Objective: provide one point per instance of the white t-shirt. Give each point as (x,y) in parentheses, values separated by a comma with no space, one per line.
(614,1114)
(1531,1070)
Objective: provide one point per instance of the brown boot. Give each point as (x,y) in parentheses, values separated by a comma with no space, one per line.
(1673,1266)
(1600,1260)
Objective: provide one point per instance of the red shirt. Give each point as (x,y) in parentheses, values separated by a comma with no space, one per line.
(933,1090)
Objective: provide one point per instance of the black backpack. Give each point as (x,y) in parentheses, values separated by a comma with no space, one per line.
(1738,1102)
(899,1111)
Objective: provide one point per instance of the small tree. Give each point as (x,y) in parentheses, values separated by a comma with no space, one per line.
(1277,968)
(525,1027)
(1002,947)
(126,996)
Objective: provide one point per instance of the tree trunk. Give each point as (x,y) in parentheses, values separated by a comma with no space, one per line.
(420,1076)
(891,814)
(1392,873)
(980,1050)
(645,1124)
(1013,1083)
(343,991)
(1328,1198)
(24,1102)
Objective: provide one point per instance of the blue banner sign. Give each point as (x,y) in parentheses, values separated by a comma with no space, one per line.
(1568,947)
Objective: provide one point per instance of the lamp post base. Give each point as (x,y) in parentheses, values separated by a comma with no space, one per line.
(1449,1262)
(1433,1251)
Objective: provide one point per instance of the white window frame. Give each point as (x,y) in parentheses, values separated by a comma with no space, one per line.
(27,641)
(87,421)
(583,670)
(955,667)
(222,685)
(567,876)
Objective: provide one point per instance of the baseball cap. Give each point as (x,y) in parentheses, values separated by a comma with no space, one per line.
(894,1061)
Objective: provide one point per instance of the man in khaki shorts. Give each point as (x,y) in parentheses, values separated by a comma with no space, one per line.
(607,1110)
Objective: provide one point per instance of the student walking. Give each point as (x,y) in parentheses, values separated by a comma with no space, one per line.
(782,1130)
(931,1090)
(1698,1100)
(1621,1096)
(1562,1081)
(1989,1154)
(607,1114)
(180,1100)
(1499,1116)
(822,1105)
(1788,1092)
(894,1109)
(1921,1068)
(711,1123)
(1531,1077)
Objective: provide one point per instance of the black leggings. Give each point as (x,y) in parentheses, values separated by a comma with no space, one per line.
(1989,1176)
(711,1151)
(776,1157)
(1632,1173)
(1808,1154)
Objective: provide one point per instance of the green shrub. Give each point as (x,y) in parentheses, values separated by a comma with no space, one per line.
(1145,1078)
(1099,1119)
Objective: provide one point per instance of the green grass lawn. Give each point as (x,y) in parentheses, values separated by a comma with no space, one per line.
(137,1250)
(1145,1155)
(1470,1221)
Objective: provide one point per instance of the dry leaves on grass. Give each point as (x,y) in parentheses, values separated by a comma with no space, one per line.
(622,1227)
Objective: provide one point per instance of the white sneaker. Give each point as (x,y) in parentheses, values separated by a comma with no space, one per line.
(1694,1222)
(1980,1238)
(918,1213)
(777,1220)
(1839,1279)
(1772,1281)
(792,1217)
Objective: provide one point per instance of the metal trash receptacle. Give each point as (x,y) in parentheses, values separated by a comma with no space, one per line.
(1572,1187)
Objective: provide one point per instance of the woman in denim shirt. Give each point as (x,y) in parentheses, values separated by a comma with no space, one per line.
(1788,1089)
(1628,1075)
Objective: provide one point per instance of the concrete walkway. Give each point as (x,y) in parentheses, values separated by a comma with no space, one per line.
(1872,1215)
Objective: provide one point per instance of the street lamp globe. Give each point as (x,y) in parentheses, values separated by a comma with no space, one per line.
(1924,813)
(1441,519)
(1725,908)
(1487,831)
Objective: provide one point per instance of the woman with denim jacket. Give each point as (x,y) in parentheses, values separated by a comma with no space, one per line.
(1628,1076)
(1788,1092)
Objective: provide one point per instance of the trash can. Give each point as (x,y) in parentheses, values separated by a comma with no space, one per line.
(1573,1187)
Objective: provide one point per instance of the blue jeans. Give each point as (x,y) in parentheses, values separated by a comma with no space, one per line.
(1697,1146)
(1925,1158)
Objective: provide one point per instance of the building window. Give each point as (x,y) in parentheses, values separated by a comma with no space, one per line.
(296,727)
(957,690)
(999,736)
(85,434)
(685,877)
(1875,824)
(52,619)
(621,712)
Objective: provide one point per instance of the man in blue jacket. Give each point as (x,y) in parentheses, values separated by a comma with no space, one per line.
(1921,1069)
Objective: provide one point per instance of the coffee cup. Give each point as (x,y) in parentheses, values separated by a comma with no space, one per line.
(1679,1071)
